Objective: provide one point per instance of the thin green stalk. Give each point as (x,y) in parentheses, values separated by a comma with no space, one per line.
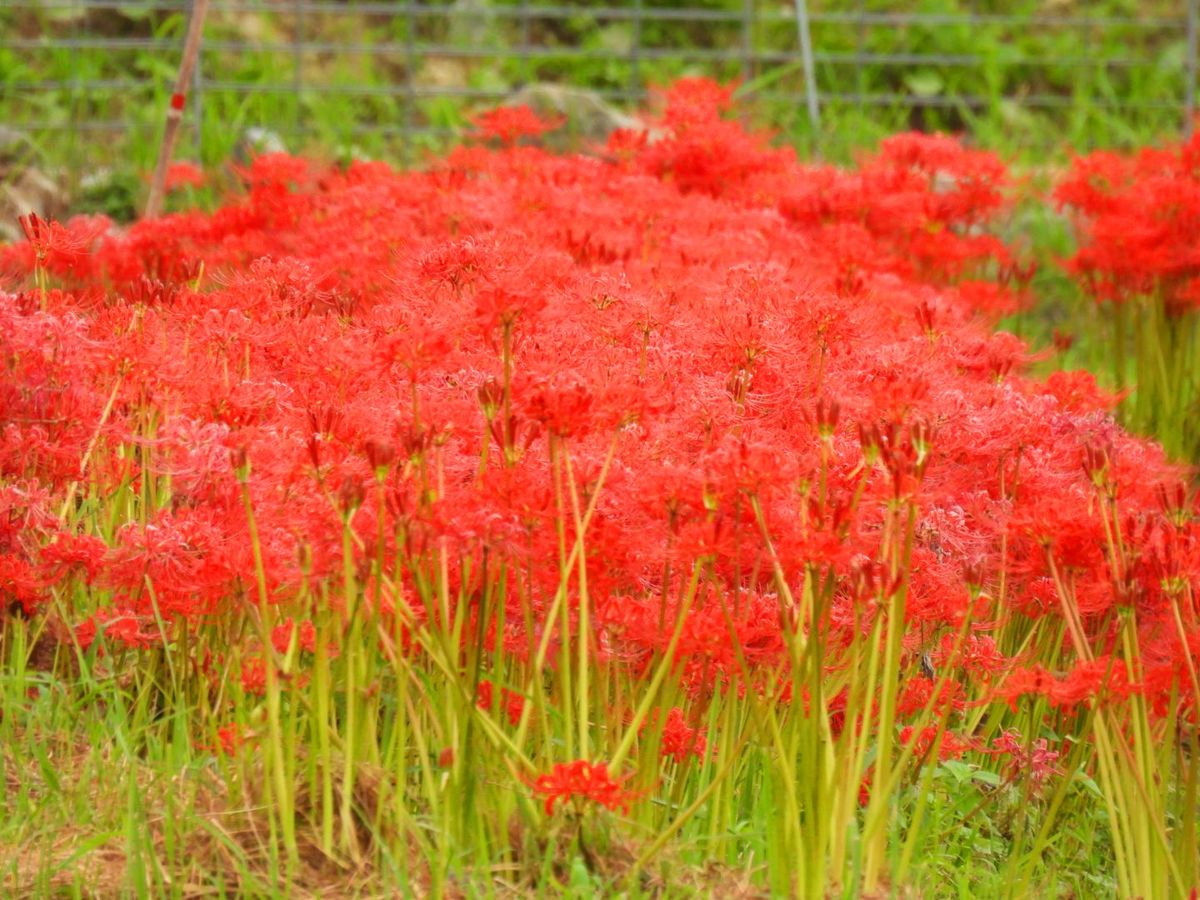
(584,638)
(665,665)
(283,808)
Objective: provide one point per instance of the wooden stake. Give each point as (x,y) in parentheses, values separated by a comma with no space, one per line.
(191,51)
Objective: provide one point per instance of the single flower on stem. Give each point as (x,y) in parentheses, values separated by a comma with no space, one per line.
(580,782)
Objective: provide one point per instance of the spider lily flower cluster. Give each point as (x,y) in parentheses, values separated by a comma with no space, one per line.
(1138,217)
(685,482)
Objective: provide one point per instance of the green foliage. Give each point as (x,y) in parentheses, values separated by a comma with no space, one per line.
(1025,90)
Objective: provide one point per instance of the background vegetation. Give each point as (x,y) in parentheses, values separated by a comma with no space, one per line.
(1024,77)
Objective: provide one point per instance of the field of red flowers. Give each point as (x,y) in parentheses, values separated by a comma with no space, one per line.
(669,520)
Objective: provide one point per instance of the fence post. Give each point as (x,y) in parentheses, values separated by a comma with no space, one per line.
(198,105)
(298,70)
(526,40)
(1193,36)
(804,33)
(860,48)
(410,77)
(191,50)
(635,55)
(747,39)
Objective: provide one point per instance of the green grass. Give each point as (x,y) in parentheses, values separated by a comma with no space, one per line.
(106,793)
(112,785)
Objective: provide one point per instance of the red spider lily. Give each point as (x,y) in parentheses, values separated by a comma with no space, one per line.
(581,782)
(918,694)
(254,676)
(124,629)
(433,360)
(61,247)
(178,562)
(184,174)
(977,655)
(1101,677)
(950,745)
(230,739)
(304,634)
(497,307)
(19,584)
(72,554)
(1139,216)
(508,124)
(1035,761)
(680,740)
(514,703)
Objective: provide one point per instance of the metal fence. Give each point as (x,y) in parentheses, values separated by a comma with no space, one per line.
(95,75)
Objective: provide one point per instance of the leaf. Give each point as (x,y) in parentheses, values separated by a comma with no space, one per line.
(581,883)
(990,778)
(924,83)
(1089,783)
(960,770)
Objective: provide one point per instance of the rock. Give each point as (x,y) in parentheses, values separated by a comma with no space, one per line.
(29,190)
(442,72)
(15,146)
(258,142)
(589,120)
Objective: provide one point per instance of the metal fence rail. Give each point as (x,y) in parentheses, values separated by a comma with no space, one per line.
(404,74)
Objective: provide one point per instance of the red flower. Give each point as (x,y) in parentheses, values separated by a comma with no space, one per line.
(123,628)
(508,124)
(581,781)
(58,246)
(184,174)
(254,676)
(306,639)
(679,740)
(230,738)
(19,583)
(1137,216)
(951,745)
(918,694)
(411,335)
(1035,761)
(1103,677)
(514,703)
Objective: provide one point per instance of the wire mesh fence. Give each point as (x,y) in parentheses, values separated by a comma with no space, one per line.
(90,78)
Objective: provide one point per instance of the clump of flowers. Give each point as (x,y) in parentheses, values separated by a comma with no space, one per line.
(1032,760)
(1137,217)
(579,783)
(685,425)
(509,124)
(513,703)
